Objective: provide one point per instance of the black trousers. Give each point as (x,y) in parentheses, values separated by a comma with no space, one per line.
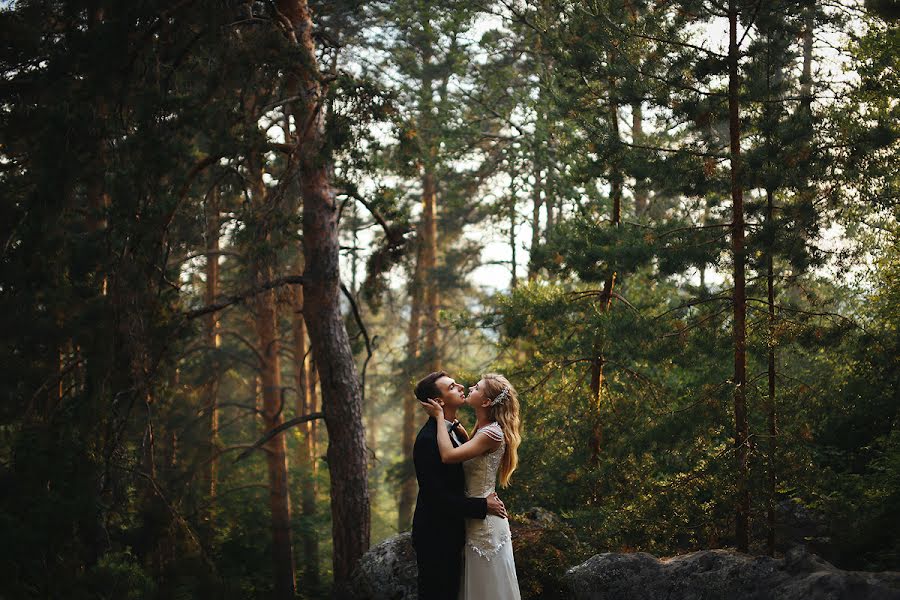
(440,570)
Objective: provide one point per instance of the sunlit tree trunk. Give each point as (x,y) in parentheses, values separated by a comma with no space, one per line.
(265,319)
(276,449)
(341,393)
(422,332)
(408,483)
(431,352)
(211,388)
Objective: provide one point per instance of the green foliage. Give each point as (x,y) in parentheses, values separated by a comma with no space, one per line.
(543,553)
(118,575)
(121,130)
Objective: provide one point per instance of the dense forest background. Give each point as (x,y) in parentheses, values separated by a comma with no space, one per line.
(235,232)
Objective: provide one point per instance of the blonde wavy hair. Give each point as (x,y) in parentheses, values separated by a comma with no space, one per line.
(505,413)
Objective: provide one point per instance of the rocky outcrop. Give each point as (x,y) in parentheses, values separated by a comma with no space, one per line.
(545,547)
(386,572)
(725,574)
(542,546)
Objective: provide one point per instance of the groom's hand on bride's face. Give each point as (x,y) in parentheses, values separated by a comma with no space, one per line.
(495,506)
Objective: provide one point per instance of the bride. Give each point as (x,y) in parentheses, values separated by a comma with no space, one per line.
(489,570)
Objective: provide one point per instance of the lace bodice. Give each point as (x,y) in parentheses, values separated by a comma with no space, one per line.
(481,471)
(486,536)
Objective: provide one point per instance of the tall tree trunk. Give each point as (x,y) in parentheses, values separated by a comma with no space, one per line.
(306,450)
(211,388)
(312,441)
(423,292)
(739,300)
(432,352)
(266,325)
(305,376)
(276,449)
(408,485)
(341,393)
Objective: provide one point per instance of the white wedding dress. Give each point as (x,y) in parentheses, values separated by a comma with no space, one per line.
(489,571)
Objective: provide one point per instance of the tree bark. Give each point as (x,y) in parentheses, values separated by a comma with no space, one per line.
(341,393)
(408,487)
(211,389)
(273,394)
(432,351)
(423,292)
(266,324)
(276,449)
(739,300)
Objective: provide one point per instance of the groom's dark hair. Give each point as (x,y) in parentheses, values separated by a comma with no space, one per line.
(427,386)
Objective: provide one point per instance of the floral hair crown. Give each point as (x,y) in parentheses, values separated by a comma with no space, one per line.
(501,397)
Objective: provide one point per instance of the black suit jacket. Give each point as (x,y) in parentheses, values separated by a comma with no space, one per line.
(441,507)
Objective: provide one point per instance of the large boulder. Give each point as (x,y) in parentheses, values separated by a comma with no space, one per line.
(542,547)
(725,574)
(386,572)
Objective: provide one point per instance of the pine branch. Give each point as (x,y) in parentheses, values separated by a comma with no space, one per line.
(207,253)
(272,433)
(365,334)
(690,303)
(394,237)
(240,337)
(241,297)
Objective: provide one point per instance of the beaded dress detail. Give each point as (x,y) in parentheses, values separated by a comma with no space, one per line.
(486,537)
(489,569)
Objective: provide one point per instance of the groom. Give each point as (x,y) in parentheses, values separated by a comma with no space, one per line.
(439,531)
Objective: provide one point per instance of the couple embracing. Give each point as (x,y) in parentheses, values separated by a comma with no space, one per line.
(460,529)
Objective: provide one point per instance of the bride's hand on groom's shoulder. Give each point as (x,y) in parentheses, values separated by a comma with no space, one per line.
(433,409)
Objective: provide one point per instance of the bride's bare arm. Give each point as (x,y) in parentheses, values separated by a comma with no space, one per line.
(474,447)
